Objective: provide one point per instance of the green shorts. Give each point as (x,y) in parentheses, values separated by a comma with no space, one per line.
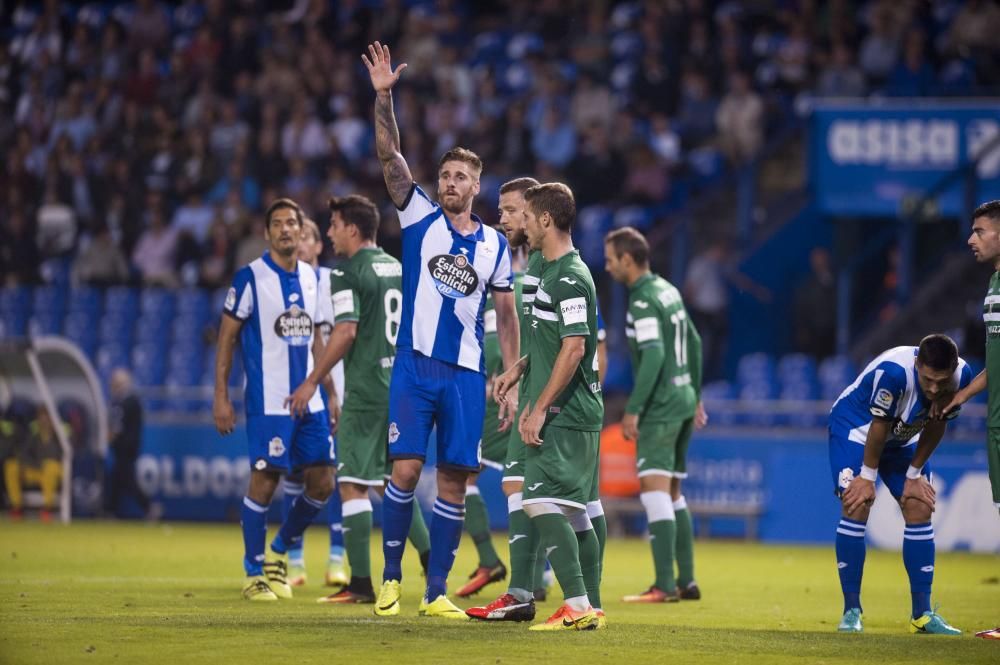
(513,467)
(662,448)
(993,458)
(561,470)
(494,450)
(362,447)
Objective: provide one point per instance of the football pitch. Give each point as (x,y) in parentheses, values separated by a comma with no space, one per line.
(97,592)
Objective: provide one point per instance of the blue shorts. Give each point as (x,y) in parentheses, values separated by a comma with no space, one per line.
(425,392)
(846,458)
(286,444)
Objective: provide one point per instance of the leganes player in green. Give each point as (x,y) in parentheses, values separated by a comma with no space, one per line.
(985,245)
(367,301)
(662,411)
(563,408)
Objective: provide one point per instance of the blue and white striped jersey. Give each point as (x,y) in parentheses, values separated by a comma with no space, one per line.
(888,389)
(326,305)
(280,311)
(445,277)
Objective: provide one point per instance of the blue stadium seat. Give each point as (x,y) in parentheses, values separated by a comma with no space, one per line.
(189,329)
(592,224)
(149,364)
(85,299)
(116,328)
(111,355)
(193,302)
(154,330)
(122,301)
(835,374)
(755,368)
(796,367)
(757,392)
(157,302)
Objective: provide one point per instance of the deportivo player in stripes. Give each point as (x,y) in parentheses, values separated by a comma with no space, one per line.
(273,308)
(450,259)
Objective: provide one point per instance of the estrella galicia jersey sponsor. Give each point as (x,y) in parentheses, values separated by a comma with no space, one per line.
(280,311)
(888,389)
(566,305)
(366,289)
(445,277)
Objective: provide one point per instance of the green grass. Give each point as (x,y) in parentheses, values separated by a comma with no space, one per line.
(124,593)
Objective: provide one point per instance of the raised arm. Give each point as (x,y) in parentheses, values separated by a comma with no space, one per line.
(397,176)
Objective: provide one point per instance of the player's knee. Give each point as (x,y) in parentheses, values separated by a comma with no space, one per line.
(916,512)
(654,483)
(406,473)
(511,488)
(675,488)
(262,486)
(858,514)
(349,491)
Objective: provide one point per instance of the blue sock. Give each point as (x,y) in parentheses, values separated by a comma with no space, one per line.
(336,527)
(918,557)
(397,513)
(303,512)
(851,560)
(253,519)
(446,533)
(292,491)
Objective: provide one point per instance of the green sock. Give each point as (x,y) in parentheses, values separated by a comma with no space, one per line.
(523,543)
(477,523)
(538,571)
(685,547)
(662,537)
(590,564)
(357,543)
(419,536)
(601,529)
(563,550)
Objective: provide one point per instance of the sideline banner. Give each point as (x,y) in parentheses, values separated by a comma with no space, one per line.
(198,475)
(868,160)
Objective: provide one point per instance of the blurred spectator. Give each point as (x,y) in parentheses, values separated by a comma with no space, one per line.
(148,27)
(647,181)
(37,461)
(194,217)
(814,309)
(555,140)
(228,132)
(125,427)
(740,120)
(706,295)
(597,171)
(19,256)
(101,262)
(696,113)
(841,77)
(239,181)
(880,49)
(253,245)
(913,76)
(57,225)
(155,255)
(592,103)
(216,266)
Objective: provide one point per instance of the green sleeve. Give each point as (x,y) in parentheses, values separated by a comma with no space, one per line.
(346,299)
(571,301)
(651,359)
(694,357)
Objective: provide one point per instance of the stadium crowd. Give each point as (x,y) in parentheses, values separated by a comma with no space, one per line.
(147,137)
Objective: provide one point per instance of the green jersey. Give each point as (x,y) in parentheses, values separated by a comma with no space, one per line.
(661,339)
(991,317)
(494,361)
(566,305)
(366,289)
(525,287)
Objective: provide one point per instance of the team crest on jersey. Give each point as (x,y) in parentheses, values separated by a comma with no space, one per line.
(276,447)
(393,433)
(294,326)
(453,275)
(845,477)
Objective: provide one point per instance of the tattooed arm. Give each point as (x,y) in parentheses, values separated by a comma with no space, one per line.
(398,180)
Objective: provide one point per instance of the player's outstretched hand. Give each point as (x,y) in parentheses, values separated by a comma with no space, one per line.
(918,489)
(508,409)
(224,416)
(530,427)
(298,402)
(630,426)
(860,493)
(503,384)
(700,416)
(380,67)
(940,410)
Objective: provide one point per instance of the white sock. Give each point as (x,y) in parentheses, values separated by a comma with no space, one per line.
(578,603)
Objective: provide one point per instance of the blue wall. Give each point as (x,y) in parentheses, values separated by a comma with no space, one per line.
(198,475)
